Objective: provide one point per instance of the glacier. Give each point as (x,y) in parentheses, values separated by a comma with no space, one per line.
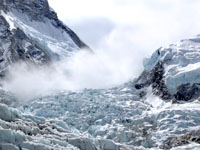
(158,110)
(117,118)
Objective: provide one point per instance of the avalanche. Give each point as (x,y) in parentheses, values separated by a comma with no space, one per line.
(117,118)
(158,110)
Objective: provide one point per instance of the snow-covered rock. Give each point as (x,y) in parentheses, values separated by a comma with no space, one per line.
(30,31)
(178,70)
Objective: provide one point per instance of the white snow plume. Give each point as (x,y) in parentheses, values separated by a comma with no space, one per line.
(84,69)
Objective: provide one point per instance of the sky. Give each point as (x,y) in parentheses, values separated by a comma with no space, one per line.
(144,24)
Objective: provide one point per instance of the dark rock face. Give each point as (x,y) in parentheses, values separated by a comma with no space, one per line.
(155,79)
(158,85)
(32,52)
(35,8)
(19,47)
(188,91)
(16,45)
(38,10)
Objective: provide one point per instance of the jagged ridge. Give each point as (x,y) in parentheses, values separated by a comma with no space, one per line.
(31,31)
(173,73)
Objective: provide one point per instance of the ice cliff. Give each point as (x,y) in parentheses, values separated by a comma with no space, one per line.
(173,72)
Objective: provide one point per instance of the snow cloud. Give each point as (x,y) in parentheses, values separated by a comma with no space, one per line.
(83,70)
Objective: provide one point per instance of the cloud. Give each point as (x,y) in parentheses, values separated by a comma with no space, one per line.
(165,21)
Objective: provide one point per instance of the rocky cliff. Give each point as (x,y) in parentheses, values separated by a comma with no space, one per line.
(31,31)
(173,72)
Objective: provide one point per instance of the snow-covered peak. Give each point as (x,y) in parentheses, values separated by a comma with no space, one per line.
(182,53)
(39,10)
(43,37)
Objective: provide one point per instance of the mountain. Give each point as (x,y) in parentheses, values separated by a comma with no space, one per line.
(173,72)
(31,31)
(158,110)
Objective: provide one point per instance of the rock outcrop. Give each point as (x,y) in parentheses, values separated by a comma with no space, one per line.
(173,72)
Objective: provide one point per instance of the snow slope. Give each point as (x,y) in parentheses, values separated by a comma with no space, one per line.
(31,31)
(52,39)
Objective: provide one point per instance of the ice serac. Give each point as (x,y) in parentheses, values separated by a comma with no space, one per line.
(174,72)
(31,31)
